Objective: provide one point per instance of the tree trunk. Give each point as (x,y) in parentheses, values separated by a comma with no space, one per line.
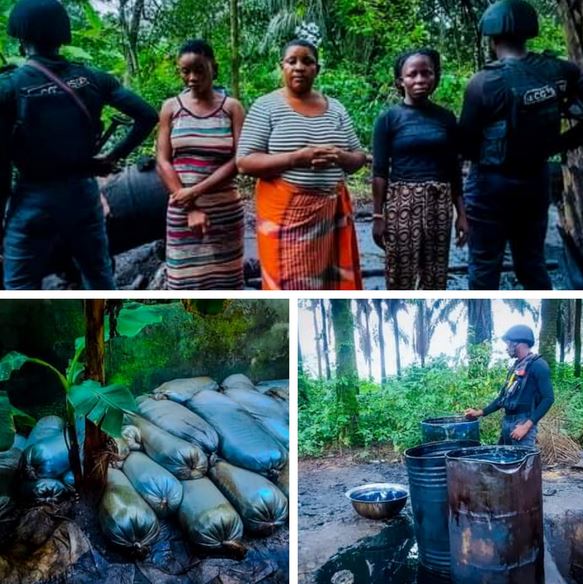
(95,461)
(317,337)
(548,331)
(378,305)
(577,338)
(479,343)
(571,205)
(421,332)
(325,347)
(346,372)
(235,48)
(130,26)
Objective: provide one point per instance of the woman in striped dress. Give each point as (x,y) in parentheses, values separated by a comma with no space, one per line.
(196,160)
(301,144)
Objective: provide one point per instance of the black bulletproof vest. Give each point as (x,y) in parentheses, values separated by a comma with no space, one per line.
(528,133)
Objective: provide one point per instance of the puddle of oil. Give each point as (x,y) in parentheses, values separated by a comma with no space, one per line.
(390,557)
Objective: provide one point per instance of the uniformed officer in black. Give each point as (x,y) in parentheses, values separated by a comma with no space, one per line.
(50,123)
(527,393)
(510,125)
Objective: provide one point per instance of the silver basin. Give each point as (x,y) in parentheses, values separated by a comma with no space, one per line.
(378,500)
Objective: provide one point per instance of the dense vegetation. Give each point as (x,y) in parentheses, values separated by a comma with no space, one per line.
(138,39)
(338,410)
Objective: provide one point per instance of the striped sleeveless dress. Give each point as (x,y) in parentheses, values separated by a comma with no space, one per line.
(200,146)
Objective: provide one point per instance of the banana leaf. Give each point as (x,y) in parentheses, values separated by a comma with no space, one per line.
(180,422)
(131,434)
(125,518)
(208,519)
(161,490)
(243,441)
(237,380)
(269,412)
(48,458)
(43,491)
(181,390)
(261,505)
(45,428)
(102,405)
(183,459)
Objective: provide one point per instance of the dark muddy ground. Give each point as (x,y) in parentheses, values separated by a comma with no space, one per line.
(143,267)
(78,553)
(337,546)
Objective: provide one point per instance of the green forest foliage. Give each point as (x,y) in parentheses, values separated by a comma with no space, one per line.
(391,415)
(360,39)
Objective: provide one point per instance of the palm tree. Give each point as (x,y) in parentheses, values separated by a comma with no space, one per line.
(549,311)
(363,310)
(317,336)
(392,315)
(429,314)
(378,306)
(480,325)
(346,372)
(325,348)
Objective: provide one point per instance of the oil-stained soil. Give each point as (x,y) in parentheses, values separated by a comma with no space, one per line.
(337,546)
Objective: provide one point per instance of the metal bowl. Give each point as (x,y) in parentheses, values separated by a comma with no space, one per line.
(378,500)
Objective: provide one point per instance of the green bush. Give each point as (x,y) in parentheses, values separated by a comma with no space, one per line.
(391,414)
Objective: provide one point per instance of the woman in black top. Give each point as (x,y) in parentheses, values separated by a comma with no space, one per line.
(416,179)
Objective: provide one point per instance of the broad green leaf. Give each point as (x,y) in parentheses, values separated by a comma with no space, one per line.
(23,418)
(104,406)
(76,54)
(92,16)
(133,318)
(7,430)
(10,363)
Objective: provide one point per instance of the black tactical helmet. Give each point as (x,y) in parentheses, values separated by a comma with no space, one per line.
(519,333)
(42,22)
(512,18)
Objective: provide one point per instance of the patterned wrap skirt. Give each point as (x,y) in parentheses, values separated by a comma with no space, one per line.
(306,239)
(211,262)
(418,219)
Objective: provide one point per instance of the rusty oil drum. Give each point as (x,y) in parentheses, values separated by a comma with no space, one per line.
(495,515)
(428,493)
(449,428)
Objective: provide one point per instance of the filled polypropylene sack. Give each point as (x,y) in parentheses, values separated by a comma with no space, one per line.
(179,421)
(283,480)
(131,434)
(125,518)
(68,479)
(45,428)
(243,441)
(237,380)
(181,390)
(183,459)
(266,410)
(9,461)
(209,520)
(160,489)
(122,451)
(48,458)
(278,388)
(261,505)
(43,491)
(20,442)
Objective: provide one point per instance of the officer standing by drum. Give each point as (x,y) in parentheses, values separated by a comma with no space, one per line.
(50,126)
(510,125)
(527,393)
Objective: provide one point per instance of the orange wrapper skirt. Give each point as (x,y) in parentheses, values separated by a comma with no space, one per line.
(306,239)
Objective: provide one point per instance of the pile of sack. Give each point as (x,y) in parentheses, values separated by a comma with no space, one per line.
(215,457)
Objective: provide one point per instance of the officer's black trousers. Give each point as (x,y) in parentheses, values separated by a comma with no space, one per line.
(502,209)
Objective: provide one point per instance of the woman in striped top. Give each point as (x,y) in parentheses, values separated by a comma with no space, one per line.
(301,144)
(196,160)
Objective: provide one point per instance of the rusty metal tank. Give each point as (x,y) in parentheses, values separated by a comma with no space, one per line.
(449,428)
(428,495)
(495,515)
